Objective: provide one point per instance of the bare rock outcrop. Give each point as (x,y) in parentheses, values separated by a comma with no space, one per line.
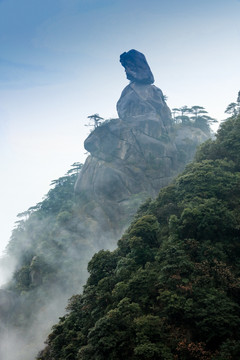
(132,157)
(136,67)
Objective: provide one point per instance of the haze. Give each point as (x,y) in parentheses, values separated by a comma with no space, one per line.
(59,63)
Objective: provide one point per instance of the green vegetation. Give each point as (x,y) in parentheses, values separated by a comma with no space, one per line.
(50,248)
(193,116)
(171,289)
(234,107)
(45,230)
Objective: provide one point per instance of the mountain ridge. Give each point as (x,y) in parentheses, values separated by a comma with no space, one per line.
(170,290)
(55,239)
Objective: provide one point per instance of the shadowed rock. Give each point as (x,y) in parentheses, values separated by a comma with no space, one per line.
(136,67)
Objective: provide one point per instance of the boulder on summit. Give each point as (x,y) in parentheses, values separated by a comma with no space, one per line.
(133,157)
(136,67)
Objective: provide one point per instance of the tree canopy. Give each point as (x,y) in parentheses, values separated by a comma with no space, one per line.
(171,289)
(194,116)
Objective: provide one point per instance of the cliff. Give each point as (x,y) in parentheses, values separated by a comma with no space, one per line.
(131,159)
(134,156)
(170,290)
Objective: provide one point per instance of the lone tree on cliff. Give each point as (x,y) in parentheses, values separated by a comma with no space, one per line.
(96,120)
(234,107)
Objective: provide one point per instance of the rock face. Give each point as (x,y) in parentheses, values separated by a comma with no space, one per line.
(136,67)
(140,103)
(134,156)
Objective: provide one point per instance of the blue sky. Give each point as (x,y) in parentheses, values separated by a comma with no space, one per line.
(59,63)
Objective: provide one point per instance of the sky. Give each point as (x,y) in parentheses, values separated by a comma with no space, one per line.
(59,63)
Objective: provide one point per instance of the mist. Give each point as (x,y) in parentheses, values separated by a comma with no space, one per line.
(45,264)
(60,64)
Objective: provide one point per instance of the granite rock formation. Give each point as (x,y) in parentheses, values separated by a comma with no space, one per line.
(134,156)
(136,67)
(130,159)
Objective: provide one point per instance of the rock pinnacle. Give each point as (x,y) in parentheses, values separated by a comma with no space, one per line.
(136,67)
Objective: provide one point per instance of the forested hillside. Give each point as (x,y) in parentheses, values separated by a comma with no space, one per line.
(171,289)
(130,159)
(50,252)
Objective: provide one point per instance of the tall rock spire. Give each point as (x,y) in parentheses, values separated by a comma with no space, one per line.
(132,157)
(141,101)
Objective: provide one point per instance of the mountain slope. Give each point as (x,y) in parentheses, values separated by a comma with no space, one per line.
(130,159)
(133,157)
(171,288)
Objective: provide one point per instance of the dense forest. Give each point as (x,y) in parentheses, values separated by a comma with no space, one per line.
(171,289)
(54,240)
